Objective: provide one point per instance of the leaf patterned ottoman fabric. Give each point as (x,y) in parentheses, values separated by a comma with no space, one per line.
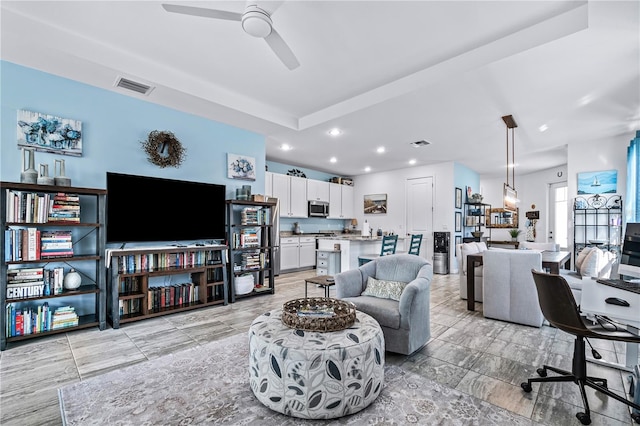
(315,375)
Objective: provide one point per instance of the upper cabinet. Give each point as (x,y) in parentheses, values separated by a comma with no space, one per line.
(268,183)
(317,190)
(340,201)
(292,193)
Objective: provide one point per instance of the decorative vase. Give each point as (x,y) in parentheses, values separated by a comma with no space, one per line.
(72,280)
(29,173)
(43,177)
(58,170)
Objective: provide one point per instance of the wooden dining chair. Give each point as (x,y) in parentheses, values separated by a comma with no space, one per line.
(389,243)
(414,245)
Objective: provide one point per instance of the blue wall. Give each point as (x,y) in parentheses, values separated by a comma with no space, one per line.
(113,126)
(464,177)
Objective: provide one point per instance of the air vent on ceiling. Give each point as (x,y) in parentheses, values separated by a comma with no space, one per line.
(418,144)
(135,86)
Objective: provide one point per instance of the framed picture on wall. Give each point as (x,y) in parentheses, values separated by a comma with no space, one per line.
(241,167)
(458,198)
(458,221)
(458,241)
(604,182)
(375,204)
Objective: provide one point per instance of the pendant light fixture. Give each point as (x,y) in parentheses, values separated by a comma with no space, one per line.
(510,193)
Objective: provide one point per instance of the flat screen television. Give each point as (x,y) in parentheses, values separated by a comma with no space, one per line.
(149,209)
(630,259)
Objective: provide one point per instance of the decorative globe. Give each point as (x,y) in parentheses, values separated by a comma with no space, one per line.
(72,280)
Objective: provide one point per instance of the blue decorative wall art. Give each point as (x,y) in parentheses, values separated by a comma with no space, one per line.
(49,134)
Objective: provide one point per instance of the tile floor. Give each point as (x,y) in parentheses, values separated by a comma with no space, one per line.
(483,357)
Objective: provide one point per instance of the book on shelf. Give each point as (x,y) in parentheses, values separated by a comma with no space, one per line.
(22,320)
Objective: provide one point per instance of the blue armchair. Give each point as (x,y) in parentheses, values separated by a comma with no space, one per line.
(405,322)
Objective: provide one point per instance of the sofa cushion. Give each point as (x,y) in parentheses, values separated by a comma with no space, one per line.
(581,257)
(385,311)
(598,263)
(384,289)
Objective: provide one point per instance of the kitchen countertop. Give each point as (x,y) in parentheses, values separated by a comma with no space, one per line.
(335,236)
(354,237)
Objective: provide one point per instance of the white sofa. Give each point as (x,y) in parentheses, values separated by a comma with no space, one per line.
(509,290)
(462,250)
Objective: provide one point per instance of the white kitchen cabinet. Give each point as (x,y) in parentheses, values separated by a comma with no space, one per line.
(307,252)
(268,184)
(348,210)
(289,253)
(340,201)
(327,262)
(297,253)
(317,190)
(292,193)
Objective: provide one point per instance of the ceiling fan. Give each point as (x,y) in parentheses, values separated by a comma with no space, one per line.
(255,22)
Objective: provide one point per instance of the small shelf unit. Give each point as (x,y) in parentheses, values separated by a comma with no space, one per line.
(597,222)
(250,231)
(153,281)
(475,221)
(20,214)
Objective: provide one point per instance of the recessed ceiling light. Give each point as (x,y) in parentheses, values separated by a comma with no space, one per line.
(333,159)
(380,149)
(285,147)
(543,128)
(367,169)
(412,161)
(335,132)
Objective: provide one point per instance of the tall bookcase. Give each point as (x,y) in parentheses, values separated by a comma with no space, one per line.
(34,307)
(597,222)
(147,282)
(250,231)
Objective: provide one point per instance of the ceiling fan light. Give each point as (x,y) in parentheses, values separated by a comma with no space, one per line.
(256,23)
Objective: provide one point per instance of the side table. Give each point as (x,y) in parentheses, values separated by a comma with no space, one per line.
(325,281)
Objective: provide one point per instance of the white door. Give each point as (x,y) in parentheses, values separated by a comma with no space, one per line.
(420,213)
(558,216)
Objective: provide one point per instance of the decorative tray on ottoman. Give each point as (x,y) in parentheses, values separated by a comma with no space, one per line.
(318,314)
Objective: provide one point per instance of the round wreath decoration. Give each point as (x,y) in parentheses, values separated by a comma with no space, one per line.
(164,149)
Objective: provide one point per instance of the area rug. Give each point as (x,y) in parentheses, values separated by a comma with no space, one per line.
(209,384)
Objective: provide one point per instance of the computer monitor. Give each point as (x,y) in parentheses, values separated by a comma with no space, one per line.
(630,259)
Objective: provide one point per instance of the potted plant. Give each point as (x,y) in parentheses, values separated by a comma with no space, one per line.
(514,233)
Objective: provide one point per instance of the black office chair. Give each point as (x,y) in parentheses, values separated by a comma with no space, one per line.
(389,243)
(559,308)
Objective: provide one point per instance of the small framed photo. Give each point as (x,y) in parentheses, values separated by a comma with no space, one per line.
(458,198)
(458,221)
(458,241)
(241,167)
(375,204)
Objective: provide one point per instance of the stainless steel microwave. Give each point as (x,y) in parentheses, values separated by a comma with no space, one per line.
(318,209)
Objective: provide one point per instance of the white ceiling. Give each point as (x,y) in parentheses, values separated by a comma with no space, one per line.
(386,72)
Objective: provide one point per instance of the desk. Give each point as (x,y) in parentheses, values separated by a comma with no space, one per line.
(593,302)
(550,259)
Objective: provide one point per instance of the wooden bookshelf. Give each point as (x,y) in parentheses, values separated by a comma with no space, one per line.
(87,240)
(153,281)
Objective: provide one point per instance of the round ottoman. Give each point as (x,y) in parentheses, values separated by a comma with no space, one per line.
(315,375)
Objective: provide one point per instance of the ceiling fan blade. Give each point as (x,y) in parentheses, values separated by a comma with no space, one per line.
(205,13)
(281,50)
